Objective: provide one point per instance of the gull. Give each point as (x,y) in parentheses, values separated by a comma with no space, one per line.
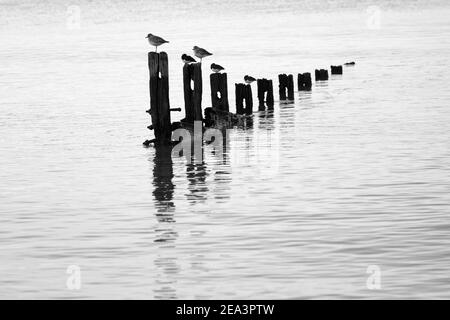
(187,59)
(200,53)
(248,79)
(155,40)
(216,68)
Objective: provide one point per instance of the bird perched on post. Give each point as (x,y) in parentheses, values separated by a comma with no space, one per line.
(216,68)
(155,41)
(187,59)
(248,79)
(201,53)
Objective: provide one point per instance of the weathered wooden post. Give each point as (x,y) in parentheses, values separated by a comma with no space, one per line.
(248,100)
(219,91)
(219,115)
(282,84)
(336,69)
(286,86)
(244,93)
(192,96)
(265,94)
(304,81)
(158,66)
(321,75)
(291,87)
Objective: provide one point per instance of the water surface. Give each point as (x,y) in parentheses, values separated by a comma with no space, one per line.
(354,173)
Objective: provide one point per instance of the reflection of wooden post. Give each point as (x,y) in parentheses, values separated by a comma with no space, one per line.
(304,81)
(219,91)
(265,94)
(321,75)
(192,96)
(162,178)
(286,86)
(159,97)
(244,93)
(336,69)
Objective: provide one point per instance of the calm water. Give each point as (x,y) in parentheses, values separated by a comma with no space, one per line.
(355,173)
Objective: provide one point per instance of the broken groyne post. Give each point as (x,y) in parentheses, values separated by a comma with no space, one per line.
(244,93)
(321,75)
(286,86)
(192,74)
(265,94)
(158,66)
(304,81)
(219,91)
(336,69)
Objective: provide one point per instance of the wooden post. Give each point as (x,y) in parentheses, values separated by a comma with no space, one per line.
(248,100)
(210,117)
(304,81)
(261,84)
(244,93)
(336,70)
(198,91)
(269,95)
(159,98)
(286,86)
(239,98)
(317,74)
(282,85)
(321,75)
(188,94)
(219,91)
(265,94)
(291,87)
(192,96)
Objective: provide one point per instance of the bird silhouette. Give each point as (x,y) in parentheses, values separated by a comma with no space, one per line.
(248,79)
(216,68)
(155,41)
(187,59)
(201,53)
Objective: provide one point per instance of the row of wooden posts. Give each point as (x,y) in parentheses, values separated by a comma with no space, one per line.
(220,110)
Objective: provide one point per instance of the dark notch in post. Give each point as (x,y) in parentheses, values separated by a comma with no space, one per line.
(304,81)
(265,94)
(286,83)
(192,96)
(158,66)
(336,69)
(321,75)
(244,92)
(219,91)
